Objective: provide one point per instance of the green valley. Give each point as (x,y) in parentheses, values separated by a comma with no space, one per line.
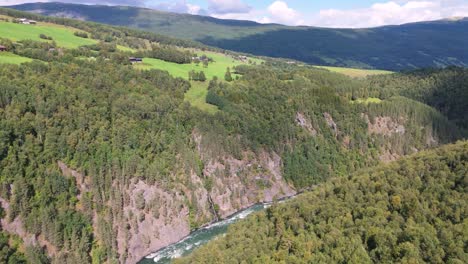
(116,143)
(408,46)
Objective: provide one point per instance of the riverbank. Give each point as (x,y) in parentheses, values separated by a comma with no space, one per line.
(205,234)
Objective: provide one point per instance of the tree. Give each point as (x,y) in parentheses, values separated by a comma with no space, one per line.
(201,76)
(228,76)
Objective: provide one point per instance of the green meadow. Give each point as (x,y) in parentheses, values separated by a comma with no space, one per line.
(197,97)
(356,73)
(216,68)
(197,93)
(10,58)
(62,35)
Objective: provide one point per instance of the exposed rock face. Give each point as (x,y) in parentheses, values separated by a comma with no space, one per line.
(331,123)
(246,182)
(16,227)
(305,123)
(152,219)
(236,184)
(384,125)
(147,217)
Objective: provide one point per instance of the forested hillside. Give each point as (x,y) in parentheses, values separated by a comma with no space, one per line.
(410,211)
(410,46)
(102,160)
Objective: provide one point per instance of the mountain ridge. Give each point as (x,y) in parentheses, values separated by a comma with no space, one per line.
(240,21)
(395,47)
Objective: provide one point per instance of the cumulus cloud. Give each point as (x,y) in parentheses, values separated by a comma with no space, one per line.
(221,7)
(280,12)
(277,12)
(391,13)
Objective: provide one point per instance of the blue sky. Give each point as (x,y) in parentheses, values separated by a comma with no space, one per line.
(329,13)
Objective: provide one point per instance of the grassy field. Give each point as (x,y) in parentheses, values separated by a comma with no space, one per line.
(62,35)
(217,68)
(369,100)
(10,58)
(125,49)
(197,93)
(355,73)
(197,97)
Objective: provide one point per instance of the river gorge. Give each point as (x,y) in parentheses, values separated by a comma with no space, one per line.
(199,237)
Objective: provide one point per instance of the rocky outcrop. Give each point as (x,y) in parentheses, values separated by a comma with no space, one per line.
(152,218)
(331,123)
(236,184)
(385,125)
(16,227)
(304,122)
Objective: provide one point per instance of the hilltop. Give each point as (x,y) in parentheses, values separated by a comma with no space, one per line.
(409,46)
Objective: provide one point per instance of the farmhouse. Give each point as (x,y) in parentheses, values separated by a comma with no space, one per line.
(3,48)
(135,60)
(26,21)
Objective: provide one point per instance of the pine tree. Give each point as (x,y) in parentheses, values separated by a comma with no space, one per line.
(228,76)
(201,76)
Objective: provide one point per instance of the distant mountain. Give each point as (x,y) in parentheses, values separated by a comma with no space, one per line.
(425,44)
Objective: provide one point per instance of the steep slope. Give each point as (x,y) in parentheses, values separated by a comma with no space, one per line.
(409,46)
(101,161)
(410,211)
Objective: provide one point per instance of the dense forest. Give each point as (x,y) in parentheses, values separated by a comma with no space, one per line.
(92,149)
(411,211)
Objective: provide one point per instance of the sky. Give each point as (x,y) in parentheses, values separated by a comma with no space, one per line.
(329,13)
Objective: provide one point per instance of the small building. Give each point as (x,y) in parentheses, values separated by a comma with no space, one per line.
(135,60)
(3,48)
(26,21)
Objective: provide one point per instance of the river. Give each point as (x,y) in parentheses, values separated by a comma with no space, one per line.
(199,237)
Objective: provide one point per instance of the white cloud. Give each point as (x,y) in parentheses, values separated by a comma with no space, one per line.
(222,7)
(280,12)
(390,13)
(181,6)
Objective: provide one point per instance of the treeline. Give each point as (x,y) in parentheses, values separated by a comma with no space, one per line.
(411,211)
(443,89)
(198,76)
(168,53)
